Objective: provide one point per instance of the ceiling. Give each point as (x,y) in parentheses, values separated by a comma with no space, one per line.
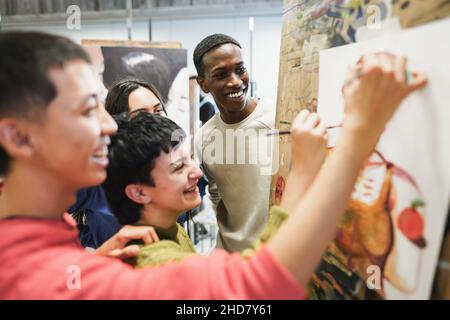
(36,11)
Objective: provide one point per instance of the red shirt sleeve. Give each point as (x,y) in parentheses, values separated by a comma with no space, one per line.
(221,276)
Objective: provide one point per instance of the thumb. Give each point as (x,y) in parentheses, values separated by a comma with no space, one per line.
(419,80)
(127,252)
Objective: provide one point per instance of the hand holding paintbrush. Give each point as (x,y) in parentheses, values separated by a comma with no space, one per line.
(287,132)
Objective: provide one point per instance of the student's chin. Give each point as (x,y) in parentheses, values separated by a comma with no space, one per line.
(95,180)
(193,203)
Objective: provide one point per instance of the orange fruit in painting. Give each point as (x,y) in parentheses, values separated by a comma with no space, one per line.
(411,224)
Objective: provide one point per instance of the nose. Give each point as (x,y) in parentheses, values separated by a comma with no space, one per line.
(196,173)
(107,124)
(234,80)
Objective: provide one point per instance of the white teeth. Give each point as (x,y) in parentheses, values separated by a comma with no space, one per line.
(103,152)
(236,94)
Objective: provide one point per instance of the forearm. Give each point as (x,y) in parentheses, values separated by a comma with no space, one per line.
(301,241)
(277,216)
(297,184)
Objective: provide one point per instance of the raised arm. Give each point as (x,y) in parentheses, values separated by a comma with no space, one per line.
(372,94)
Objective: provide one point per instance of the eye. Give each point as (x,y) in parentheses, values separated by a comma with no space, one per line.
(241,70)
(90,107)
(179,167)
(90,111)
(220,75)
(158,111)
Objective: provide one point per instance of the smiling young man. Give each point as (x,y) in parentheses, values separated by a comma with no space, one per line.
(54,135)
(53,141)
(152,179)
(232,147)
(91,211)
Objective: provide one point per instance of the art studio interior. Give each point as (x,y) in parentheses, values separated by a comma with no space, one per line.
(224,150)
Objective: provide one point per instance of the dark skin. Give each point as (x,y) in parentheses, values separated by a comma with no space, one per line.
(227,79)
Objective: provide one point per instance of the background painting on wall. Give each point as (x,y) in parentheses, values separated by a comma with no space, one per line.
(162,64)
(310,26)
(396,216)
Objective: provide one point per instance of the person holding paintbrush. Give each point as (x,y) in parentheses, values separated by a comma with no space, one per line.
(41,133)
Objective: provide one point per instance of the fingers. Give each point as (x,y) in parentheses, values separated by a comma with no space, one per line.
(385,61)
(369,62)
(418,81)
(400,64)
(127,252)
(299,121)
(301,117)
(115,247)
(307,121)
(353,73)
(153,237)
(372,100)
(146,234)
(320,129)
(312,121)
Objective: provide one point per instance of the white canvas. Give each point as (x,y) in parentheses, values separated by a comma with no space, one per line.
(417,139)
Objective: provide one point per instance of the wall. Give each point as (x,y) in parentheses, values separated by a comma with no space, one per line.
(266,44)
(266,40)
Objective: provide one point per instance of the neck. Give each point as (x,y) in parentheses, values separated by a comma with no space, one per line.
(30,193)
(155,217)
(236,117)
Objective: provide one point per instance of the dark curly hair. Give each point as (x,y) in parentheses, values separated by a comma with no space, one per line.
(206,45)
(133,151)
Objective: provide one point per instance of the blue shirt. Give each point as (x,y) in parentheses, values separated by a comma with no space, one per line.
(98,222)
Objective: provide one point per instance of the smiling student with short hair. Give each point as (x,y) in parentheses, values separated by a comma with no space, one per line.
(53,142)
(151,180)
(238,173)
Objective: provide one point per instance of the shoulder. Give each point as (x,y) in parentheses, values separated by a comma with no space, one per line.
(159,253)
(212,123)
(181,232)
(265,113)
(205,131)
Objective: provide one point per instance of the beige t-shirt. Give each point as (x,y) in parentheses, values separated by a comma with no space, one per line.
(237,161)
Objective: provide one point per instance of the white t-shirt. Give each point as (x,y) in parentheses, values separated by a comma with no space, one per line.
(237,161)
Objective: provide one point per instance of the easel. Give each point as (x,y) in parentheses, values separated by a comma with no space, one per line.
(310,26)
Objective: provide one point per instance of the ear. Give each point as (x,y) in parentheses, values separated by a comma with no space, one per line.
(15,139)
(201,82)
(136,193)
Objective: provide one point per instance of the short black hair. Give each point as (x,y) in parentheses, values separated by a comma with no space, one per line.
(117,98)
(25,88)
(206,45)
(133,151)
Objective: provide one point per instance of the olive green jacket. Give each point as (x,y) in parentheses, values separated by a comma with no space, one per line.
(175,245)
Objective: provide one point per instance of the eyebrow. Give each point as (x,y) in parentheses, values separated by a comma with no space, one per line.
(177,162)
(240,63)
(86,98)
(144,109)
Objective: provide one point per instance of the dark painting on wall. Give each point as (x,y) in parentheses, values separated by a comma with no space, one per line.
(164,67)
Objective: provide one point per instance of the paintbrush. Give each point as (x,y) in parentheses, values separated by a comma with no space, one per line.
(286,132)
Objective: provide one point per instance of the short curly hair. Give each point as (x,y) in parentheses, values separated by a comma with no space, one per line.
(206,45)
(133,152)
